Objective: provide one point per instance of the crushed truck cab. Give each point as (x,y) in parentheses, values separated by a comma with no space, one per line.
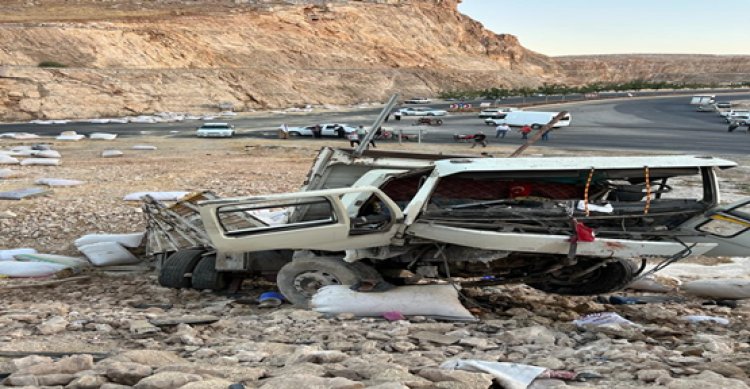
(560,224)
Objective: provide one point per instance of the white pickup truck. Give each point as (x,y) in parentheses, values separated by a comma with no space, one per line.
(563,225)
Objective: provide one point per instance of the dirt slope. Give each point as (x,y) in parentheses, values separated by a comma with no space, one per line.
(131,59)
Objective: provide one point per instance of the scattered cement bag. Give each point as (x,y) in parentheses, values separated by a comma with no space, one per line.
(7,255)
(45,154)
(143,147)
(509,375)
(127,240)
(40,162)
(71,262)
(58,182)
(731,289)
(111,153)
(8,160)
(29,269)
(70,135)
(19,135)
(108,254)
(440,301)
(20,194)
(102,136)
(161,196)
(7,173)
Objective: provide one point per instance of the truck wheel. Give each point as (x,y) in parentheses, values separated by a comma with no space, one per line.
(439,122)
(609,278)
(205,275)
(300,279)
(172,274)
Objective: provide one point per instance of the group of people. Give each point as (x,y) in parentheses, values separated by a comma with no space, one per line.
(355,138)
(501,131)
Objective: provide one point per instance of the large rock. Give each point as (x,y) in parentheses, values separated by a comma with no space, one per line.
(468,380)
(128,373)
(705,380)
(215,383)
(67,365)
(53,325)
(306,354)
(310,382)
(153,358)
(87,382)
(529,335)
(167,380)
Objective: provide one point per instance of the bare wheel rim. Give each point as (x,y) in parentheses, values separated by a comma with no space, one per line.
(309,282)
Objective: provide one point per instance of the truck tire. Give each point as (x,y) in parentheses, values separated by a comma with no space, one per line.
(205,275)
(172,274)
(300,279)
(610,278)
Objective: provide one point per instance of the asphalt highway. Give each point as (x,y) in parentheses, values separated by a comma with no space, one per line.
(640,123)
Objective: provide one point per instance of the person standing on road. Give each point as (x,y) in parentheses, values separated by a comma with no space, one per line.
(362,133)
(525,131)
(545,135)
(317,131)
(501,130)
(353,138)
(479,139)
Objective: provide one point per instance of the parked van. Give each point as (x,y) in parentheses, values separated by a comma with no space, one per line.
(534,119)
(703,100)
(496,113)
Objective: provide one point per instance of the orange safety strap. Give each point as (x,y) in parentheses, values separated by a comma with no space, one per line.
(586,192)
(648,191)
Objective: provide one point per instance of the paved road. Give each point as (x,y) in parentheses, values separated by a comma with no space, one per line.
(644,123)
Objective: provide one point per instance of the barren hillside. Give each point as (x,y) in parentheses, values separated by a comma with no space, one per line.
(123,58)
(704,69)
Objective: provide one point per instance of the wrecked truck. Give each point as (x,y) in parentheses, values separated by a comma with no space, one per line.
(565,225)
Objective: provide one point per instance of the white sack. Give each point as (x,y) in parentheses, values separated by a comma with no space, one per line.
(707,319)
(102,136)
(111,153)
(8,160)
(19,135)
(439,301)
(73,262)
(143,147)
(70,135)
(7,255)
(46,154)
(29,269)
(656,284)
(161,196)
(40,162)
(127,240)
(58,182)
(7,173)
(108,254)
(719,289)
(509,375)
(603,319)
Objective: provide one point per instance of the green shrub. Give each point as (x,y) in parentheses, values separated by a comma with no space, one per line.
(52,64)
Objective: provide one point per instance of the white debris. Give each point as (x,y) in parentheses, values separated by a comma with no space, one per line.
(161,196)
(509,375)
(29,269)
(112,153)
(8,160)
(58,182)
(707,319)
(7,255)
(602,319)
(102,136)
(19,135)
(41,162)
(46,154)
(127,240)
(143,147)
(70,135)
(414,300)
(719,288)
(108,254)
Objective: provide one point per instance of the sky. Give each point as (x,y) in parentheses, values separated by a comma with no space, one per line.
(574,27)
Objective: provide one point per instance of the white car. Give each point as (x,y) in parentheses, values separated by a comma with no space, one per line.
(420,111)
(496,113)
(736,115)
(418,100)
(329,129)
(215,130)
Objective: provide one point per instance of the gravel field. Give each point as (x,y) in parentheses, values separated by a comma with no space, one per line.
(105,318)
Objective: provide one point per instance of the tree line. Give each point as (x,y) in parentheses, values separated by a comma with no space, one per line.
(565,90)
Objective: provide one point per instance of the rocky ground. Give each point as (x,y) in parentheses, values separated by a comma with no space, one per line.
(112,327)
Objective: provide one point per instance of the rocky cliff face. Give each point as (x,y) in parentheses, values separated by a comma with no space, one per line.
(703,69)
(123,58)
